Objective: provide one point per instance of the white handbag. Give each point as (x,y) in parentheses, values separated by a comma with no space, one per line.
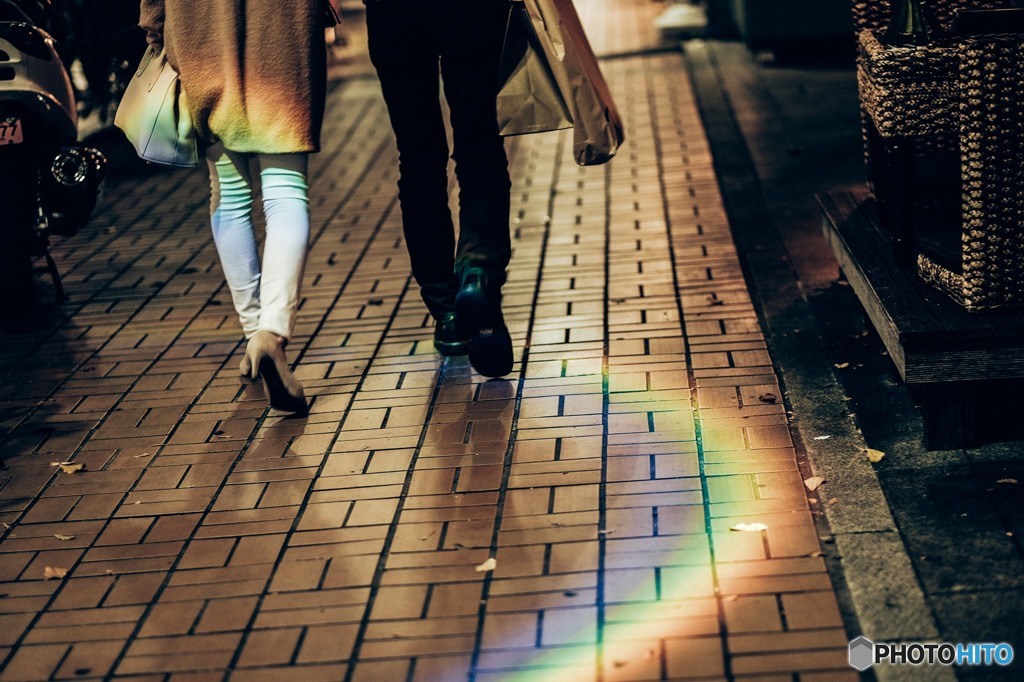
(154,115)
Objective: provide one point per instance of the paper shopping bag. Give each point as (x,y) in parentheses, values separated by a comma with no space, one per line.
(529,100)
(598,130)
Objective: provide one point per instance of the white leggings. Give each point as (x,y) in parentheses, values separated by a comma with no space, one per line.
(265,298)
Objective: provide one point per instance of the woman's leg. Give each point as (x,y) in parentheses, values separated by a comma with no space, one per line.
(231,219)
(286,207)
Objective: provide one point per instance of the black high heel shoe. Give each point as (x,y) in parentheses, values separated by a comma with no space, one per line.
(267,361)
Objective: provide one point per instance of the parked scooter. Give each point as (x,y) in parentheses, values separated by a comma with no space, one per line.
(48,181)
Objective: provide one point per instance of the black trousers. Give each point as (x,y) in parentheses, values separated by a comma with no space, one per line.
(415,45)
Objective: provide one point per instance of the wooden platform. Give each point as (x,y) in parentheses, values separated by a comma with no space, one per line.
(962,367)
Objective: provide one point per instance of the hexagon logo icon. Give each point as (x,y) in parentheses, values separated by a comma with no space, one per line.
(862,653)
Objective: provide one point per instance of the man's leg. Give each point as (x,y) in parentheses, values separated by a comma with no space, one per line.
(403,48)
(471,51)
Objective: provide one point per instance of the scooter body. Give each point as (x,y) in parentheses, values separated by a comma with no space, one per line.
(48,182)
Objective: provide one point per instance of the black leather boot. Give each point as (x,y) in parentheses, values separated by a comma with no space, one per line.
(450,337)
(478,305)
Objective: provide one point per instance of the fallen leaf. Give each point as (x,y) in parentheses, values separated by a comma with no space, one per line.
(841,365)
(54,572)
(64,537)
(1008,481)
(68,467)
(750,527)
(144,454)
(7,526)
(769,398)
(813,482)
(834,500)
(488,565)
(818,553)
(875,456)
(822,437)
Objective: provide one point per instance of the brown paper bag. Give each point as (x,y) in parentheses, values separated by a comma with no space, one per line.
(530,100)
(598,130)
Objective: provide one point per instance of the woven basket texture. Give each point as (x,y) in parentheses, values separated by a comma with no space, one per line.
(968,93)
(992,171)
(874,14)
(908,90)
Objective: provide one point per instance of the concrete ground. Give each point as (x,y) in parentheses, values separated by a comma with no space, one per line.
(677,322)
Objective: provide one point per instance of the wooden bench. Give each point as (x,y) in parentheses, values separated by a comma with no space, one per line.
(964,370)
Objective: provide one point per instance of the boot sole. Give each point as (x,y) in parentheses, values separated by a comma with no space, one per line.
(490,351)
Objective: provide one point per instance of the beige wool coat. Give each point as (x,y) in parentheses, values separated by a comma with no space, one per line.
(254,72)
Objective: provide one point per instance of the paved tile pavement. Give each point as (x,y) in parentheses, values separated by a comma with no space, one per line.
(207,537)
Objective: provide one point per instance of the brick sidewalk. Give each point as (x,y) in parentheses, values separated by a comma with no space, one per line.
(605,476)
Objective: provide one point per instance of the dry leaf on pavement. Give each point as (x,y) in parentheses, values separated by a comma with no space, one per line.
(64,537)
(68,467)
(813,482)
(751,527)
(875,456)
(488,565)
(54,572)
(769,398)
(1007,481)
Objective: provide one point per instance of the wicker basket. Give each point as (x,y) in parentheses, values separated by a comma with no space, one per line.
(970,92)
(992,173)
(907,90)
